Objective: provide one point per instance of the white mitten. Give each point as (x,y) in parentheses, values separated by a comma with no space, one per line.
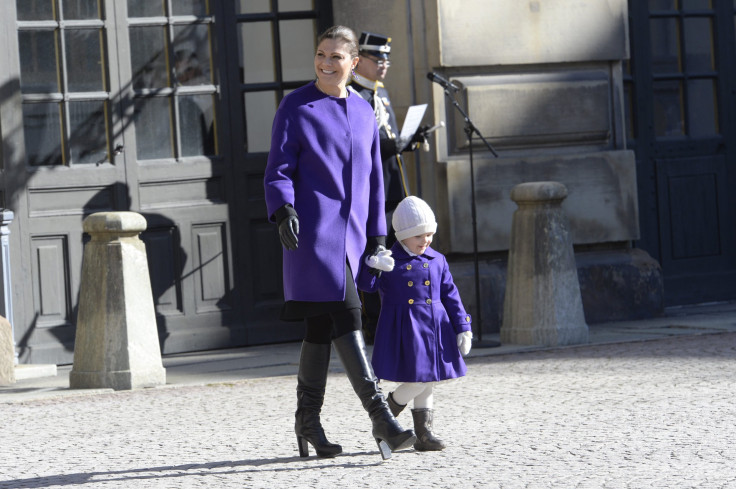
(381,261)
(464,342)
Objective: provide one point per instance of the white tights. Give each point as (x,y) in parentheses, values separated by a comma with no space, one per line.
(421,392)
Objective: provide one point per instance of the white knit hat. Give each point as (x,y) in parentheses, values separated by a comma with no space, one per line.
(413,217)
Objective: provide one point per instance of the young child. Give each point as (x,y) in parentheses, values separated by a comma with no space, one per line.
(423,328)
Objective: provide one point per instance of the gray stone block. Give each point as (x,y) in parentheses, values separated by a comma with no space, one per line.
(542,304)
(482,32)
(117,342)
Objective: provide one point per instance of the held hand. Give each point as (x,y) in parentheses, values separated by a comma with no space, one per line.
(288,232)
(464,342)
(420,136)
(418,139)
(382,260)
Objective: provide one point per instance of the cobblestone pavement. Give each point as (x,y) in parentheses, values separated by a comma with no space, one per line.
(654,414)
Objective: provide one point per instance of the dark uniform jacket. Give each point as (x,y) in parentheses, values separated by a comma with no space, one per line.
(388,131)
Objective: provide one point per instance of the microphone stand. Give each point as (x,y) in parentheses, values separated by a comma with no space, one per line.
(469,130)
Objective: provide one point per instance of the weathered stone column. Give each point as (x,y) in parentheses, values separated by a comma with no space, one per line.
(117,341)
(7,355)
(542,305)
(6,305)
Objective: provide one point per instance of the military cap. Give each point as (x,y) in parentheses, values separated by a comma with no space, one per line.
(375,44)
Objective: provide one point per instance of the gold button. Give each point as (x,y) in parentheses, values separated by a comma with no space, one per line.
(426,282)
(408,267)
(411,301)
(467,319)
(410,284)
(429,301)
(426,265)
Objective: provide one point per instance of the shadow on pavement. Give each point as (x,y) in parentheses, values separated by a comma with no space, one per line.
(186,470)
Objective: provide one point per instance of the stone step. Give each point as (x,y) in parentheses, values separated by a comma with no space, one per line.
(34,371)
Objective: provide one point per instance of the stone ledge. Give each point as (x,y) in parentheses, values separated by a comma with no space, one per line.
(23,372)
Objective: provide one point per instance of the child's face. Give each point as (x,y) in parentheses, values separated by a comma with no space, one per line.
(418,244)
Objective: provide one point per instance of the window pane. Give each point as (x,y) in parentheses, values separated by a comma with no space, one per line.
(82,9)
(192,60)
(696,4)
(88,126)
(699,44)
(42,131)
(665,39)
(291,5)
(297,49)
(662,5)
(38,68)
(84,60)
(702,108)
(35,9)
(196,125)
(189,7)
(257,65)
(260,107)
(668,108)
(146,8)
(253,6)
(153,128)
(148,57)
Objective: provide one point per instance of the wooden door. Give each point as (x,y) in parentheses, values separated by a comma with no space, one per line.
(273,45)
(163,108)
(680,101)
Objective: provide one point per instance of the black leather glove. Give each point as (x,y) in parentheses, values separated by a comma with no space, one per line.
(288,232)
(288,221)
(419,138)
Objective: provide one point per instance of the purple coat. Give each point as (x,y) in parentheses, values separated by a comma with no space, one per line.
(325,161)
(421,315)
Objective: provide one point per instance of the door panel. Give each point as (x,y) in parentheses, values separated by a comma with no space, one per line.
(693,229)
(679,90)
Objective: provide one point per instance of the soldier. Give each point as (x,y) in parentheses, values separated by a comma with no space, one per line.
(367,81)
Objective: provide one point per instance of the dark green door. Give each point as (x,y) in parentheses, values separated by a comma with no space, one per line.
(163,108)
(680,106)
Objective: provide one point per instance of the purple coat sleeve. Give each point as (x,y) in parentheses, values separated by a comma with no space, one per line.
(460,320)
(281,168)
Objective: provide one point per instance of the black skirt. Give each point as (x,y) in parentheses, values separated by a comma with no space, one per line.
(299,310)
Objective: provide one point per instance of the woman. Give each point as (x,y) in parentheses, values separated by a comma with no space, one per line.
(324,187)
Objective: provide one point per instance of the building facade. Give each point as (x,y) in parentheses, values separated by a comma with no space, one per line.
(165,108)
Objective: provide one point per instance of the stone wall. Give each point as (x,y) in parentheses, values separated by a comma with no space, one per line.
(543,82)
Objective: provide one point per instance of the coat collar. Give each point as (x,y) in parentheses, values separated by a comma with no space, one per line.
(398,253)
(366,83)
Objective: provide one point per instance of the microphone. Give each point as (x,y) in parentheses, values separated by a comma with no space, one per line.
(444,83)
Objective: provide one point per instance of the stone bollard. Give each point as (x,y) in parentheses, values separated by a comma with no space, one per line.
(117,343)
(7,353)
(542,305)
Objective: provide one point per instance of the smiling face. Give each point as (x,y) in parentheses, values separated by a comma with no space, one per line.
(418,244)
(332,64)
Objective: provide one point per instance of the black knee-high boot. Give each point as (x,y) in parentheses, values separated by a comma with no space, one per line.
(310,393)
(386,430)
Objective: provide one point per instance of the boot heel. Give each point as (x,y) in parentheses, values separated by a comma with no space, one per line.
(303,446)
(384,449)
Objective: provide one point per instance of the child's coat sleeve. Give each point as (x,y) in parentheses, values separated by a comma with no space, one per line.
(460,319)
